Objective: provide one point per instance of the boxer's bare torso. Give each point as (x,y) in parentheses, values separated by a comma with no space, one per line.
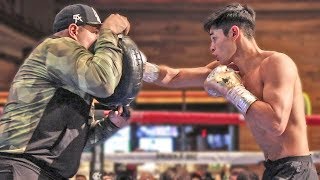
(283,100)
(293,140)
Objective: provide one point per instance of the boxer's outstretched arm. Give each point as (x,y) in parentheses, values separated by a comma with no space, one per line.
(183,77)
(272,113)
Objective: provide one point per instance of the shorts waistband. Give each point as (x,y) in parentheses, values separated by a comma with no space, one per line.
(288,159)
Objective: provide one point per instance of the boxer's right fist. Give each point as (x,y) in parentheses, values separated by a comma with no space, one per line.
(150,71)
(117,24)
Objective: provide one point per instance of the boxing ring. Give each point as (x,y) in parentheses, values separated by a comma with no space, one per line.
(233,158)
(195,118)
(205,118)
(154,161)
(96,161)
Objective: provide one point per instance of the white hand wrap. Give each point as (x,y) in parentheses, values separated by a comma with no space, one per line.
(241,98)
(151,72)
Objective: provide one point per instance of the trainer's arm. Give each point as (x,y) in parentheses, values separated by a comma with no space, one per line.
(183,77)
(271,113)
(106,126)
(72,66)
(100,130)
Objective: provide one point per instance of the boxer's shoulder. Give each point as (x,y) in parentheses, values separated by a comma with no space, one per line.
(277,64)
(272,59)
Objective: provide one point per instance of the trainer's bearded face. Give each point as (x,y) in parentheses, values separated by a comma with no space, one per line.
(222,47)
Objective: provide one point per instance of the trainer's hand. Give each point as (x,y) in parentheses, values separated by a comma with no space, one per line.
(120,116)
(117,24)
(227,82)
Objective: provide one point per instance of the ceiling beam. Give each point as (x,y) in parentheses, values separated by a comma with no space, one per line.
(18,22)
(11,59)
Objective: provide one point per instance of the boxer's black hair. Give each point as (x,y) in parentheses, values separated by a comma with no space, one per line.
(230,15)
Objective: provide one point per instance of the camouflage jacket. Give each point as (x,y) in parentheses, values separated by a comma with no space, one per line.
(47,116)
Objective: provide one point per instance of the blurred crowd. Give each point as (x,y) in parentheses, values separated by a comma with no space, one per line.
(181,172)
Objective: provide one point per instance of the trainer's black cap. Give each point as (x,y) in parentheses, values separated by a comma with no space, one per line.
(79,14)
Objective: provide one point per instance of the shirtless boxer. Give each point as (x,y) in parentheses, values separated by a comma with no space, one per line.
(266,89)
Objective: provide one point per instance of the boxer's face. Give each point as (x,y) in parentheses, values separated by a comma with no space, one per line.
(222,47)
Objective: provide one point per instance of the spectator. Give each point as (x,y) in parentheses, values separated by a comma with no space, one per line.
(195,176)
(108,176)
(247,175)
(236,170)
(80,177)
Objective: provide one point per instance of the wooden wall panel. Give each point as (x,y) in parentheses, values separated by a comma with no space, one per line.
(314,137)
(246,140)
(170,32)
(7,74)
(299,40)
(182,41)
(173,34)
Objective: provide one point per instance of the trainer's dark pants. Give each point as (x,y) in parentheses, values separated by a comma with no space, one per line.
(296,167)
(22,169)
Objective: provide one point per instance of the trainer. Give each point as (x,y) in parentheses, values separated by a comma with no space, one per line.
(47,121)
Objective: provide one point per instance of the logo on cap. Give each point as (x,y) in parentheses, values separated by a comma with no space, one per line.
(77,18)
